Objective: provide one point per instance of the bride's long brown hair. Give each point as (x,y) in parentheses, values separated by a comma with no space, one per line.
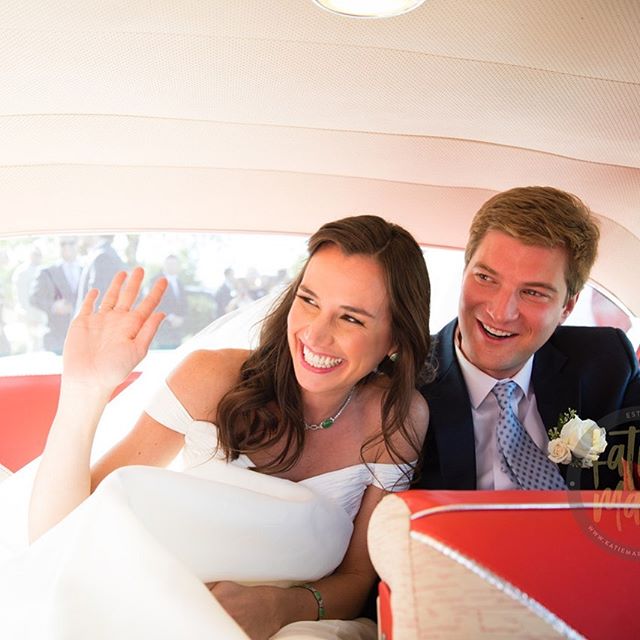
(265,407)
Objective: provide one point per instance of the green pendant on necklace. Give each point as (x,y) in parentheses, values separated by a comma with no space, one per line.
(328,422)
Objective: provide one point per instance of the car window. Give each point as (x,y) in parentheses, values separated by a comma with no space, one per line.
(42,279)
(210,274)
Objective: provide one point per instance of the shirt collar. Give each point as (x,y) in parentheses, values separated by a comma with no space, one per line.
(479,383)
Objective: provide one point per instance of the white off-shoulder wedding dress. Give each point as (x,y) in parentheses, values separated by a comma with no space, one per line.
(131,561)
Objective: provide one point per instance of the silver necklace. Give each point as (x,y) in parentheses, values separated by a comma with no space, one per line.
(327,422)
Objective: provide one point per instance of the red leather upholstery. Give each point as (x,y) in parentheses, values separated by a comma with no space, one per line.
(508,563)
(385,614)
(28,405)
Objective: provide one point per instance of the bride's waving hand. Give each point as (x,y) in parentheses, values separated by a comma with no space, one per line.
(103,347)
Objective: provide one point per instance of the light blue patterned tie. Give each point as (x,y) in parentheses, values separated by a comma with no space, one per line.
(522,460)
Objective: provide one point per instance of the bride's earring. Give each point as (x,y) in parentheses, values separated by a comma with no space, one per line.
(394,356)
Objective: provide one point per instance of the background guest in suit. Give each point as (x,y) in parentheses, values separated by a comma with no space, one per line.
(529,254)
(174,305)
(33,319)
(225,292)
(54,291)
(103,263)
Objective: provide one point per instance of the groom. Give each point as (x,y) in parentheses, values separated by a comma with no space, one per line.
(529,254)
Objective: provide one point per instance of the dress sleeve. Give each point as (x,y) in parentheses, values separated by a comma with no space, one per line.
(166,409)
(200,436)
(391,477)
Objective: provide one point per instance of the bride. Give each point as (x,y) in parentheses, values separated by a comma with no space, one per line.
(287,447)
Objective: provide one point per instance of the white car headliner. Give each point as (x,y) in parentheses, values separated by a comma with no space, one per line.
(253,115)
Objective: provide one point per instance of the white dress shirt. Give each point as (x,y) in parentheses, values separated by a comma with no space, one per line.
(71,272)
(484,411)
(172,279)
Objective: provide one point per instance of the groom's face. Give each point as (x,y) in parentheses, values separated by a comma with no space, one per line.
(513,297)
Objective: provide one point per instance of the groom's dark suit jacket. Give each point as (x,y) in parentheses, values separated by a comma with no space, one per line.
(591,370)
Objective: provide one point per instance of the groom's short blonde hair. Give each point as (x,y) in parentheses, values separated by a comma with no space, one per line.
(542,216)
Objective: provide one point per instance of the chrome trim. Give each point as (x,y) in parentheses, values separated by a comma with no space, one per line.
(532,506)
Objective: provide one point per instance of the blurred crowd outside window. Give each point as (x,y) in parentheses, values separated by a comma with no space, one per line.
(42,280)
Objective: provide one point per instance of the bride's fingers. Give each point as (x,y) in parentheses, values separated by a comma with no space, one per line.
(152,299)
(129,292)
(87,304)
(148,330)
(113,291)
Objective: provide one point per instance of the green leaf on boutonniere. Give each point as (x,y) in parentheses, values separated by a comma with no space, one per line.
(563,418)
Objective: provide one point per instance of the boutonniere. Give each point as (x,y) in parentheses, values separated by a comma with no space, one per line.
(575,441)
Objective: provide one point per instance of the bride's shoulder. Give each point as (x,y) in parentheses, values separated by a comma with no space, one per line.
(419,414)
(204,376)
(408,440)
(418,407)
(204,361)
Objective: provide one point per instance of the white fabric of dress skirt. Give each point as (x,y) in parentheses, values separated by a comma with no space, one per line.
(131,561)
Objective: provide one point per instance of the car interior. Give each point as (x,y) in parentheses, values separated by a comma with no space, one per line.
(226,132)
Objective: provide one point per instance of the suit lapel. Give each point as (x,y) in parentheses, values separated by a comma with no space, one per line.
(555,388)
(452,423)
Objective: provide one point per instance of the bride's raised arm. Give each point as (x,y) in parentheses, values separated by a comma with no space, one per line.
(101,349)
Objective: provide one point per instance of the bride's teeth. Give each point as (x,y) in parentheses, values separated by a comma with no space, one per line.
(496,332)
(319,362)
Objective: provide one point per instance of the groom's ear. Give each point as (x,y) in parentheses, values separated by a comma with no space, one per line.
(569,306)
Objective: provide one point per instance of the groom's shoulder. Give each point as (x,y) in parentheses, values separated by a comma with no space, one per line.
(571,336)
(443,339)
(591,344)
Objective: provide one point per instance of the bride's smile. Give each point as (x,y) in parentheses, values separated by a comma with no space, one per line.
(339,326)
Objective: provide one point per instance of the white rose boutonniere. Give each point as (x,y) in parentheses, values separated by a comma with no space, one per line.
(575,441)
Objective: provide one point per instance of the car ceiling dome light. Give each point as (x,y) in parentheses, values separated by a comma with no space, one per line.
(369,8)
